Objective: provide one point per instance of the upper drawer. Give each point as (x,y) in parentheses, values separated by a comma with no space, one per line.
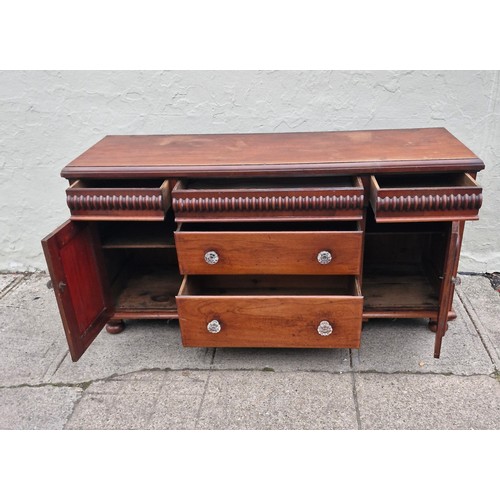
(269,248)
(134,199)
(268,199)
(410,198)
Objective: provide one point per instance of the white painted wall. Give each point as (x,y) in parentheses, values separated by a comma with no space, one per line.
(49,118)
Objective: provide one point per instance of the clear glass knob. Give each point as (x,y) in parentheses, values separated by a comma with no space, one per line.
(325,328)
(211,257)
(214,326)
(324,257)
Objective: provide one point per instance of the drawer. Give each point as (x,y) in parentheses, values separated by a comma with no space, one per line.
(133,199)
(270,311)
(268,199)
(269,248)
(409,198)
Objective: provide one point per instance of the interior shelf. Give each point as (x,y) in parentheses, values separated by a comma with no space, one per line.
(402,270)
(144,282)
(149,295)
(136,235)
(399,288)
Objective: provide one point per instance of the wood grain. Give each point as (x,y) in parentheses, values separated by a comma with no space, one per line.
(269,252)
(78,276)
(425,198)
(285,154)
(108,202)
(270,320)
(227,201)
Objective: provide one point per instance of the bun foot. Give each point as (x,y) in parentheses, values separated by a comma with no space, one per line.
(433,326)
(114,327)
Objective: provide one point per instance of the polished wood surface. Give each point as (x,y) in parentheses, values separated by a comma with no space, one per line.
(258,317)
(285,154)
(78,277)
(277,252)
(414,198)
(118,200)
(312,199)
(389,205)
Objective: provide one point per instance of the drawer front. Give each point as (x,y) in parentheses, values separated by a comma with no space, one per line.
(400,199)
(233,203)
(270,321)
(270,311)
(329,252)
(88,200)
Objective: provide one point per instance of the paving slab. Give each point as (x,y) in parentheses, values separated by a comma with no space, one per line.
(32,341)
(277,400)
(146,400)
(425,401)
(6,281)
(483,305)
(407,345)
(330,360)
(147,344)
(47,407)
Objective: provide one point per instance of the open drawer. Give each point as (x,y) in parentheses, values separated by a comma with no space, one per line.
(437,197)
(270,311)
(299,198)
(106,199)
(329,247)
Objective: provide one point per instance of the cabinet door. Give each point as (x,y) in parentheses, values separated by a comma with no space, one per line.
(75,264)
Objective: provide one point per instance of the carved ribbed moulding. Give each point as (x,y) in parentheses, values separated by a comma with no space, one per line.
(421,202)
(114,202)
(267,203)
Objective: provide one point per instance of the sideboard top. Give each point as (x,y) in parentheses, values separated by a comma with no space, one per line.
(277,154)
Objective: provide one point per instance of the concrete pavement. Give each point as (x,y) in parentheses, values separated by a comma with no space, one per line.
(144,378)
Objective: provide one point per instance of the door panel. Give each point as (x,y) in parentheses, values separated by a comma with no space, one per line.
(78,276)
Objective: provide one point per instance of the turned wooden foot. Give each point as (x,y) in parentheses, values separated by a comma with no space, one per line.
(115,326)
(452,315)
(433,326)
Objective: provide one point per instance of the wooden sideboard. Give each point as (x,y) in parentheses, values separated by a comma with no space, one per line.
(263,240)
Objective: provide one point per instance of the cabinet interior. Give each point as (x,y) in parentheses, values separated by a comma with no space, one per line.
(403,266)
(142,268)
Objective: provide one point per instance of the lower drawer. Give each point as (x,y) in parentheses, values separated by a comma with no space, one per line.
(270,311)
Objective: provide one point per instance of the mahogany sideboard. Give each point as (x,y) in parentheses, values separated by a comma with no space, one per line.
(263,240)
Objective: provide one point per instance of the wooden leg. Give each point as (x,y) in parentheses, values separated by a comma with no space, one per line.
(115,326)
(437,344)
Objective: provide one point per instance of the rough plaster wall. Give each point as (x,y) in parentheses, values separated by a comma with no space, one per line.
(49,118)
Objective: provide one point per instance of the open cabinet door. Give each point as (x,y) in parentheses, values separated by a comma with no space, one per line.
(75,264)
(448,284)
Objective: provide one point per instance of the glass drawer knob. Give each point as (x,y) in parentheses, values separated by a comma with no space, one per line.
(324,257)
(211,257)
(214,326)
(325,328)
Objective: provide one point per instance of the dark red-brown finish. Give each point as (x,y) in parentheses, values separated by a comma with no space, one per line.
(421,198)
(78,277)
(407,193)
(114,202)
(297,154)
(232,202)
